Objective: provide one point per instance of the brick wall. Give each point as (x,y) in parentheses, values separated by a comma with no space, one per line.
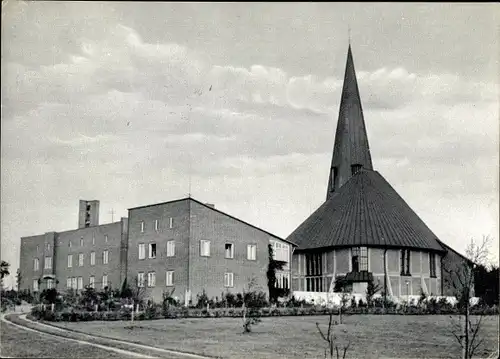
(451,261)
(208,272)
(113,231)
(179,212)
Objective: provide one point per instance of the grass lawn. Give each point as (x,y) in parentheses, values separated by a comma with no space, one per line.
(371,336)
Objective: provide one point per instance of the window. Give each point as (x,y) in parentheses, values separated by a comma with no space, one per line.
(69,244)
(170,248)
(405,262)
(314,272)
(105,257)
(80,260)
(355,168)
(152,250)
(252,252)
(35,285)
(48,246)
(229,250)
(228,279)
(68,283)
(281,251)
(48,263)
(37,248)
(142,226)
(93,239)
(204,248)
(70,260)
(169,280)
(73,283)
(157,227)
(283,280)
(359,259)
(140,279)
(36,264)
(151,279)
(432,264)
(81,242)
(171,223)
(80,283)
(50,283)
(142,251)
(92,258)
(92,281)
(104,281)
(106,238)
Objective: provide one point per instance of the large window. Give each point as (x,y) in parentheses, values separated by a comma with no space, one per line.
(359,259)
(50,283)
(432,264)
(157,225)
(70,260)
(68,283)
(142,251)
(36,264)
(151,279)
(170,248)
(204,248)
(73,283)
(283,280)
(229,250)
(405,262)
(140,279)
(314,272)
(48,263)
(169,280)
(104,281)
(105,257)
(35,285)
(142,226)
(92,281)
(80,283)
(152,250)
(92,258)
(228,279)
(80,259)
(252,252)
(281,251)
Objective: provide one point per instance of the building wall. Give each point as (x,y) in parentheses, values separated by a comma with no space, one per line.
(452,262)
(31,247)
(207,273)
(113,231)
(179,212)
(396,284)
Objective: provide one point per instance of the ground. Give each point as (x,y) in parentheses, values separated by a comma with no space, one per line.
(19,343)
(372,336)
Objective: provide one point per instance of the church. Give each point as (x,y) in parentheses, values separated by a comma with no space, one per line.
(364,230)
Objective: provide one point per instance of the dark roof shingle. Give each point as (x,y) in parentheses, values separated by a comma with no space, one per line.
(365,211)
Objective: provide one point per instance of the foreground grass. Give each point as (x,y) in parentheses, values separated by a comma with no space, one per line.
(371,336)
(19,343)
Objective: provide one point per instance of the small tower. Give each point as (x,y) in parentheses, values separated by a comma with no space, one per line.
(88,214)
(351,151)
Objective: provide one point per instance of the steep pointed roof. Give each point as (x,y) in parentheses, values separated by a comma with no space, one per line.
(366,211)
(351,146)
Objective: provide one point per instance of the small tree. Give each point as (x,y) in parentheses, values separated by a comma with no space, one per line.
(462,280)
(371,290)
(4,271)
(251,315)
(274,266)
(330,338)
(342,286)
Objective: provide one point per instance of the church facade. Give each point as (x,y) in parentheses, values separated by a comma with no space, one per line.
(364,230)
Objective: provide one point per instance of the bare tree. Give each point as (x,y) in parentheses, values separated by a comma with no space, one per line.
(330,338)
(250,316)
(466,330)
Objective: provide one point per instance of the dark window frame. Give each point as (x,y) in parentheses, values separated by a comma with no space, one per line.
(405,262)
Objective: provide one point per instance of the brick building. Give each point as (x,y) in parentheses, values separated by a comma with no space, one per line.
(92,254)
(191,246)
(364,230)
(184,245)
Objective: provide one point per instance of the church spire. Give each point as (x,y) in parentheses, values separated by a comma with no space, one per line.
(351,151)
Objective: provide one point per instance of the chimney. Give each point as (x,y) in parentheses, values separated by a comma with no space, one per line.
(211,205)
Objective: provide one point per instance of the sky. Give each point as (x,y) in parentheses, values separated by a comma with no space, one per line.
(138,103)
